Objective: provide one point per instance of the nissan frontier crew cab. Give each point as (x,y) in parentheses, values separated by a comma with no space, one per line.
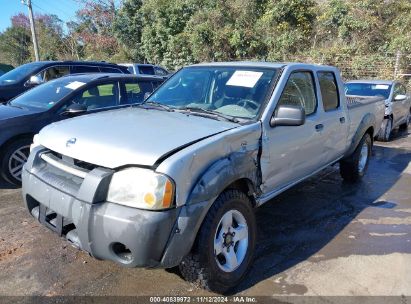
(174,181)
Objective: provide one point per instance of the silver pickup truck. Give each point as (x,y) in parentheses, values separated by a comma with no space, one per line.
(174,181)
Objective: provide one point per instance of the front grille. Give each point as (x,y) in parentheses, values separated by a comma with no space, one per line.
(72,161)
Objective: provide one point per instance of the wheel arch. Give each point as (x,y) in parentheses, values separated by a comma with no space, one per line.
(237,171)
(13,139)
(365,126)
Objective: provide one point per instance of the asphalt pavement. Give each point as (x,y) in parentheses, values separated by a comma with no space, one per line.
(322,237)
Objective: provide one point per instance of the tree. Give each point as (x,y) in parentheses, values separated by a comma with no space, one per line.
(15,46)
(94,29)
(128,27)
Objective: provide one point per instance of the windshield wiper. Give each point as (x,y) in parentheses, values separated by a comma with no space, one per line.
(157,104)
(209,112)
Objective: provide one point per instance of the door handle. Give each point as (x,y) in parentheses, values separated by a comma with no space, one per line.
(319,127)
(342,120)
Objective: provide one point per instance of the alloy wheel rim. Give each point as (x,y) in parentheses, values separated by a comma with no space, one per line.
(231,241)
(363,158)
(17,160)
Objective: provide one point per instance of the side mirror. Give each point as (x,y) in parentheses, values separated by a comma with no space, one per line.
(146,95)
(34,80)
(400,97)
(75,109)
(288,115)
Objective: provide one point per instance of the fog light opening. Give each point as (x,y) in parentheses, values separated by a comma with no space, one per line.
(122,252)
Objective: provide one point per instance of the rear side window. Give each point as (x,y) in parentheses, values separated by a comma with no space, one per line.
(143,69)
(77,69)
(299,91)
(109,70)
(136,90)
(329,90)
(160,71)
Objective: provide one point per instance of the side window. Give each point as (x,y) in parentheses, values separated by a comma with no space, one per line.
(160,72)
(54,72)
(329,90)
(77,69)
(300,91)
(109,70)
(146,69)
(136,90)
(99,96)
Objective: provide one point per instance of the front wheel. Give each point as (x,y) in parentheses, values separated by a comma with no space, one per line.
(354,167)
(224,247)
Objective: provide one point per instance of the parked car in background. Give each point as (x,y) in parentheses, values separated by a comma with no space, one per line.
(397,102)
(31,74)
(174,181)
(148,69)
(4,68)
(59,99)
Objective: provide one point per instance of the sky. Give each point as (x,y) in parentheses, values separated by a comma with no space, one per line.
(64,9)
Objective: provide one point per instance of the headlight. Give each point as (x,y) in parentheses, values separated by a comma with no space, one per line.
(141,188)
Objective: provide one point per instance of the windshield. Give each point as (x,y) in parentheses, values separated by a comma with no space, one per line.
(235,91)
(20,72)
(368,89)
(46,95)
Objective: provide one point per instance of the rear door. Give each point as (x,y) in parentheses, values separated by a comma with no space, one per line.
(334,119)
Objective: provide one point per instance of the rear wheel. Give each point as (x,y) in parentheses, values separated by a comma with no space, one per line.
(13,159)
(354,167)
(225,244)
(385,132)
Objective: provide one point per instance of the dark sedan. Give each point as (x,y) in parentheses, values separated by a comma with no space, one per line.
(32,74)
(59,99)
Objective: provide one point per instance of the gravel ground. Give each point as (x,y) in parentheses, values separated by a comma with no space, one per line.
(322,237)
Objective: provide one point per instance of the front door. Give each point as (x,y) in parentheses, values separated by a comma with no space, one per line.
(293,152)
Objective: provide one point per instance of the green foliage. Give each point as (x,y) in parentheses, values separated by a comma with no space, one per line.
(174,33)
(15,46)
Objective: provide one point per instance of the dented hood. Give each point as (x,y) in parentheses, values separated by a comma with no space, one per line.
(128,136)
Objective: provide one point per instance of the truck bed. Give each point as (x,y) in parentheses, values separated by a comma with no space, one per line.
(358,105)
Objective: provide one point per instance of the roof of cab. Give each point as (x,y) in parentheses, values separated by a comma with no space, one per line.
(261,64)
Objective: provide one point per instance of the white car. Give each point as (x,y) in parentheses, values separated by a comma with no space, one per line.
(397,102)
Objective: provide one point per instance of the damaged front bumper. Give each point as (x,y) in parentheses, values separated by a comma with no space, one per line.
(76,209)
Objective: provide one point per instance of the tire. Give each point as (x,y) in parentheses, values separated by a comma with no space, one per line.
(214,272)
(13,158)
(384,134)
(404,126)
(354,168)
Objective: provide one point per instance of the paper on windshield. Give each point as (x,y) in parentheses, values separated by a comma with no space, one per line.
(381,87)
(246,79)
(75,85)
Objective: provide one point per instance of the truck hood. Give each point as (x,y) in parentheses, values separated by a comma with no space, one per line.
(131,136)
